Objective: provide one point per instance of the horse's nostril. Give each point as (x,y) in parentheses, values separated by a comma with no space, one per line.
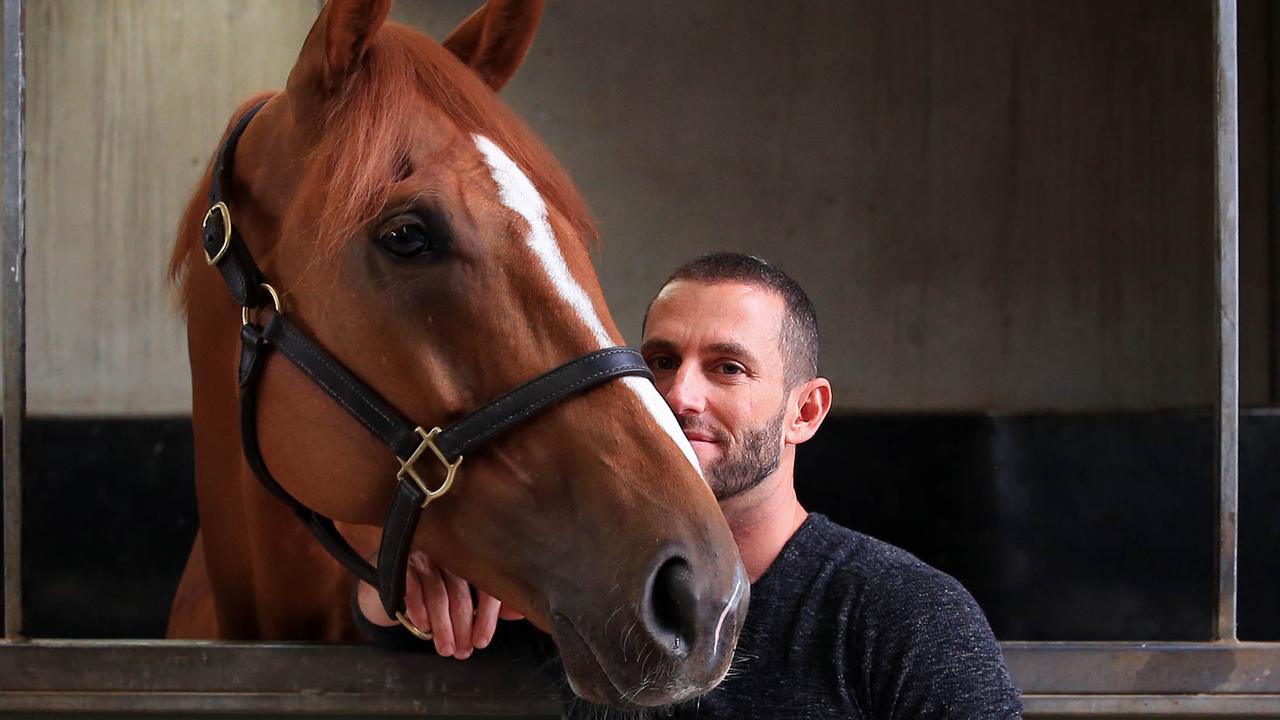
(674,604)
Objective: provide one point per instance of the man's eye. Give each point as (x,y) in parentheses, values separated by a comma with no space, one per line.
(731,368)
(662,362)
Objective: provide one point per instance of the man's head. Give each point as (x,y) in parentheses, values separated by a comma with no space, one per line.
(733,342)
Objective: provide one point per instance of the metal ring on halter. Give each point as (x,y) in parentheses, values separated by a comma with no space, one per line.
(408,625)
(275,300)
(221,207)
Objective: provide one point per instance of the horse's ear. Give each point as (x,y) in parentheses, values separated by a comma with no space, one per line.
(495,39)
(336,44)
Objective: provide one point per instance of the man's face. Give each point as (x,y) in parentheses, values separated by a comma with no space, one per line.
(716,352)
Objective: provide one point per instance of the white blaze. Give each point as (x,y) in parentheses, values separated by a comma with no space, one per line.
(519,194)
(662,413)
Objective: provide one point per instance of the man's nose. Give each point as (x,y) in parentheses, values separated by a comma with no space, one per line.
(686,393)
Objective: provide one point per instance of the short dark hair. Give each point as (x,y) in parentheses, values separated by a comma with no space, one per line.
(799,324)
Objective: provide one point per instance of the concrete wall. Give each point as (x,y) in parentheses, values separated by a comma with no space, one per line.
(125,102)
(996,205)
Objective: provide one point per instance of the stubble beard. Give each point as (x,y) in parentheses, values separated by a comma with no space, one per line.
(744,464)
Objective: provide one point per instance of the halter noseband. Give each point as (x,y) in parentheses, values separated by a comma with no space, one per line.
(226,250)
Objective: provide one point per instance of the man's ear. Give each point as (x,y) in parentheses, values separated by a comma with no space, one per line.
(334,49)
(495,39)
(812,402)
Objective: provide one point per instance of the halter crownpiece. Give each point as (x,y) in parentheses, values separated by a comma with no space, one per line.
(225,249)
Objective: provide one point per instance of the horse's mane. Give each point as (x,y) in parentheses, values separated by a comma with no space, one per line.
(376,131)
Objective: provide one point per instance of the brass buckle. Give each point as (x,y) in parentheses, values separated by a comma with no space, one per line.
(408,625)
(226,232)
(275,300)
(406,466)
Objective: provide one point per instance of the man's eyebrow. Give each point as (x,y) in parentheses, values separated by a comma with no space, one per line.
(731,349)
(734,349)
(657,345)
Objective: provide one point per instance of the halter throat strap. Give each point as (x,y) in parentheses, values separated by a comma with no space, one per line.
(410,443)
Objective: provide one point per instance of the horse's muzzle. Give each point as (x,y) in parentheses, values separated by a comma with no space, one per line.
(673,643)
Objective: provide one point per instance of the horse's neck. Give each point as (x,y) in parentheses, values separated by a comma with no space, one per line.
(269,578)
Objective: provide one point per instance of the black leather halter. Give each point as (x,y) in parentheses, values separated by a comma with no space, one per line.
(226,250)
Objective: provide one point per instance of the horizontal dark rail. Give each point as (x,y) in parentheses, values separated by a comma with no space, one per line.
(1117,706)
(1144,668)
(206,677)
(1156,679)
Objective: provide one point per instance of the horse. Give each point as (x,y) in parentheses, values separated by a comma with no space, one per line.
(419,233)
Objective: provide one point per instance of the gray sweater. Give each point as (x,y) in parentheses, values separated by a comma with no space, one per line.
(846,626)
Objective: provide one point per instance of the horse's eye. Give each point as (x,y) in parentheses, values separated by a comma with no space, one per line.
(409,241)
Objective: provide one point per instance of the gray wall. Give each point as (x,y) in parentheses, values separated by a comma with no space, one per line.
(125,102)
(998,205)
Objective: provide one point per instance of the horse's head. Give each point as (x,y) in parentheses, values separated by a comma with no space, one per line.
(425,238)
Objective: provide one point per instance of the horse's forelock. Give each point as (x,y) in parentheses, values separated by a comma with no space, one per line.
(372,128)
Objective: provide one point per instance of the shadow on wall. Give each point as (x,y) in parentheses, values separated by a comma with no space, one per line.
(1064,527)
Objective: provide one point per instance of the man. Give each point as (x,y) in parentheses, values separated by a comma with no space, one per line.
(840,624)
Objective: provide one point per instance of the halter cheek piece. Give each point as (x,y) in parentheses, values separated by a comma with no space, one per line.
(226,250)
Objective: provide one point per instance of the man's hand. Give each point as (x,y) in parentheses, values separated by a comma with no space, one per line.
(439,602)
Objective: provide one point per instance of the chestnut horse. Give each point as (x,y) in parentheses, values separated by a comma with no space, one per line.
(421,234)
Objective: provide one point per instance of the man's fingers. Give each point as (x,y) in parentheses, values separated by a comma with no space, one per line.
(462,612)
(437,602)
(415,604)
(487,609)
